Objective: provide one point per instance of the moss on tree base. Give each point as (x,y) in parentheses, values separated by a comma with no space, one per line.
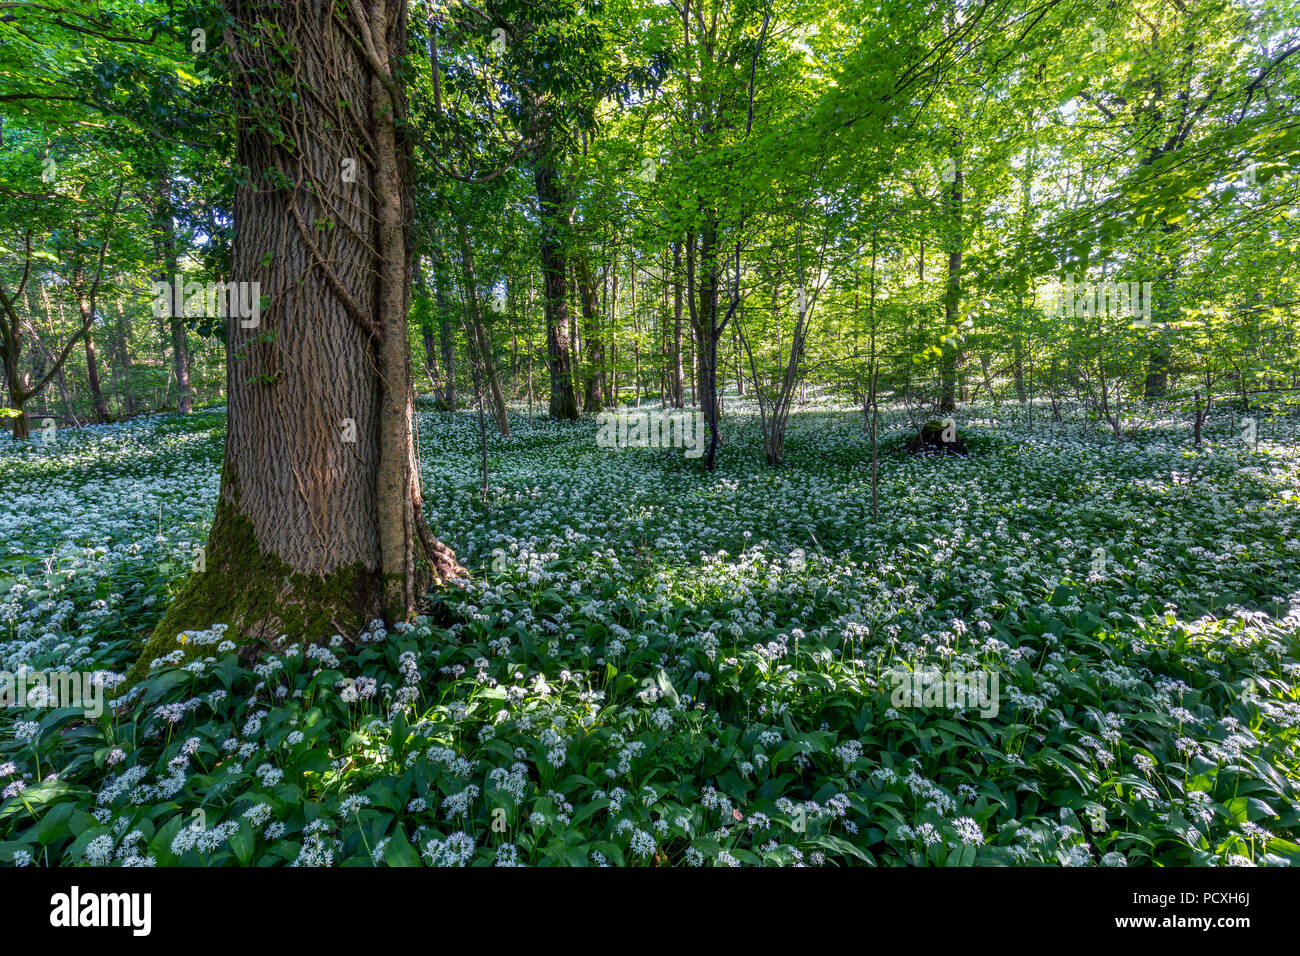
(258,597)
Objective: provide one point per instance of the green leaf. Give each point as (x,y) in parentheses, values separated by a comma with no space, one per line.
(241,843)
(399,851)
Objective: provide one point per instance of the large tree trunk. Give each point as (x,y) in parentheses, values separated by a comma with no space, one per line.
(319,526)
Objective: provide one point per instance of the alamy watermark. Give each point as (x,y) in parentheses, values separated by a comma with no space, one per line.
(663,429)
(53,689)
(1108,297)
(931,687)
(179,298)
(76,909)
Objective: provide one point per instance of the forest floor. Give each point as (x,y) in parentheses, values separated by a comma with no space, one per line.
(652,665)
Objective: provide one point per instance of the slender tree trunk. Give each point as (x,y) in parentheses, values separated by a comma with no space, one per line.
(60,375)
(678,383)
(707,333)
(875,446)
(168,261)
(421,307)
(735,351)
(87,309)
(480,340)
(181,359)
(564,402)
(593,374)
(528,318)
(662,330)
(611,380)
(695,387)
(636,352)
(92,377)
(124,360)
(612,355)
(431,364)
(576,344)
(952,295)
(446,335)
(1020,357)
(873,398)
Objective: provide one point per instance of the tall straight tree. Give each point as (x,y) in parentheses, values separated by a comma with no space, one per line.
(564,400)
(165,243)
(953,244)
(319,525)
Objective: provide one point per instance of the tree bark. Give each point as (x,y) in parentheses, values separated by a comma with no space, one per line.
(18,386)
(594,373)
(480,343)
(421,307)
(319,525)
(678,384)
(564,402)
(952,293)
(168,267)
(92,378)
(446,334)
(123,361)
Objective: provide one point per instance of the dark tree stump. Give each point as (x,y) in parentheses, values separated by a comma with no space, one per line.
(937,436)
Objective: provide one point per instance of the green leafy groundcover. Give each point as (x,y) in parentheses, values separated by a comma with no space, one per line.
(651,666)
